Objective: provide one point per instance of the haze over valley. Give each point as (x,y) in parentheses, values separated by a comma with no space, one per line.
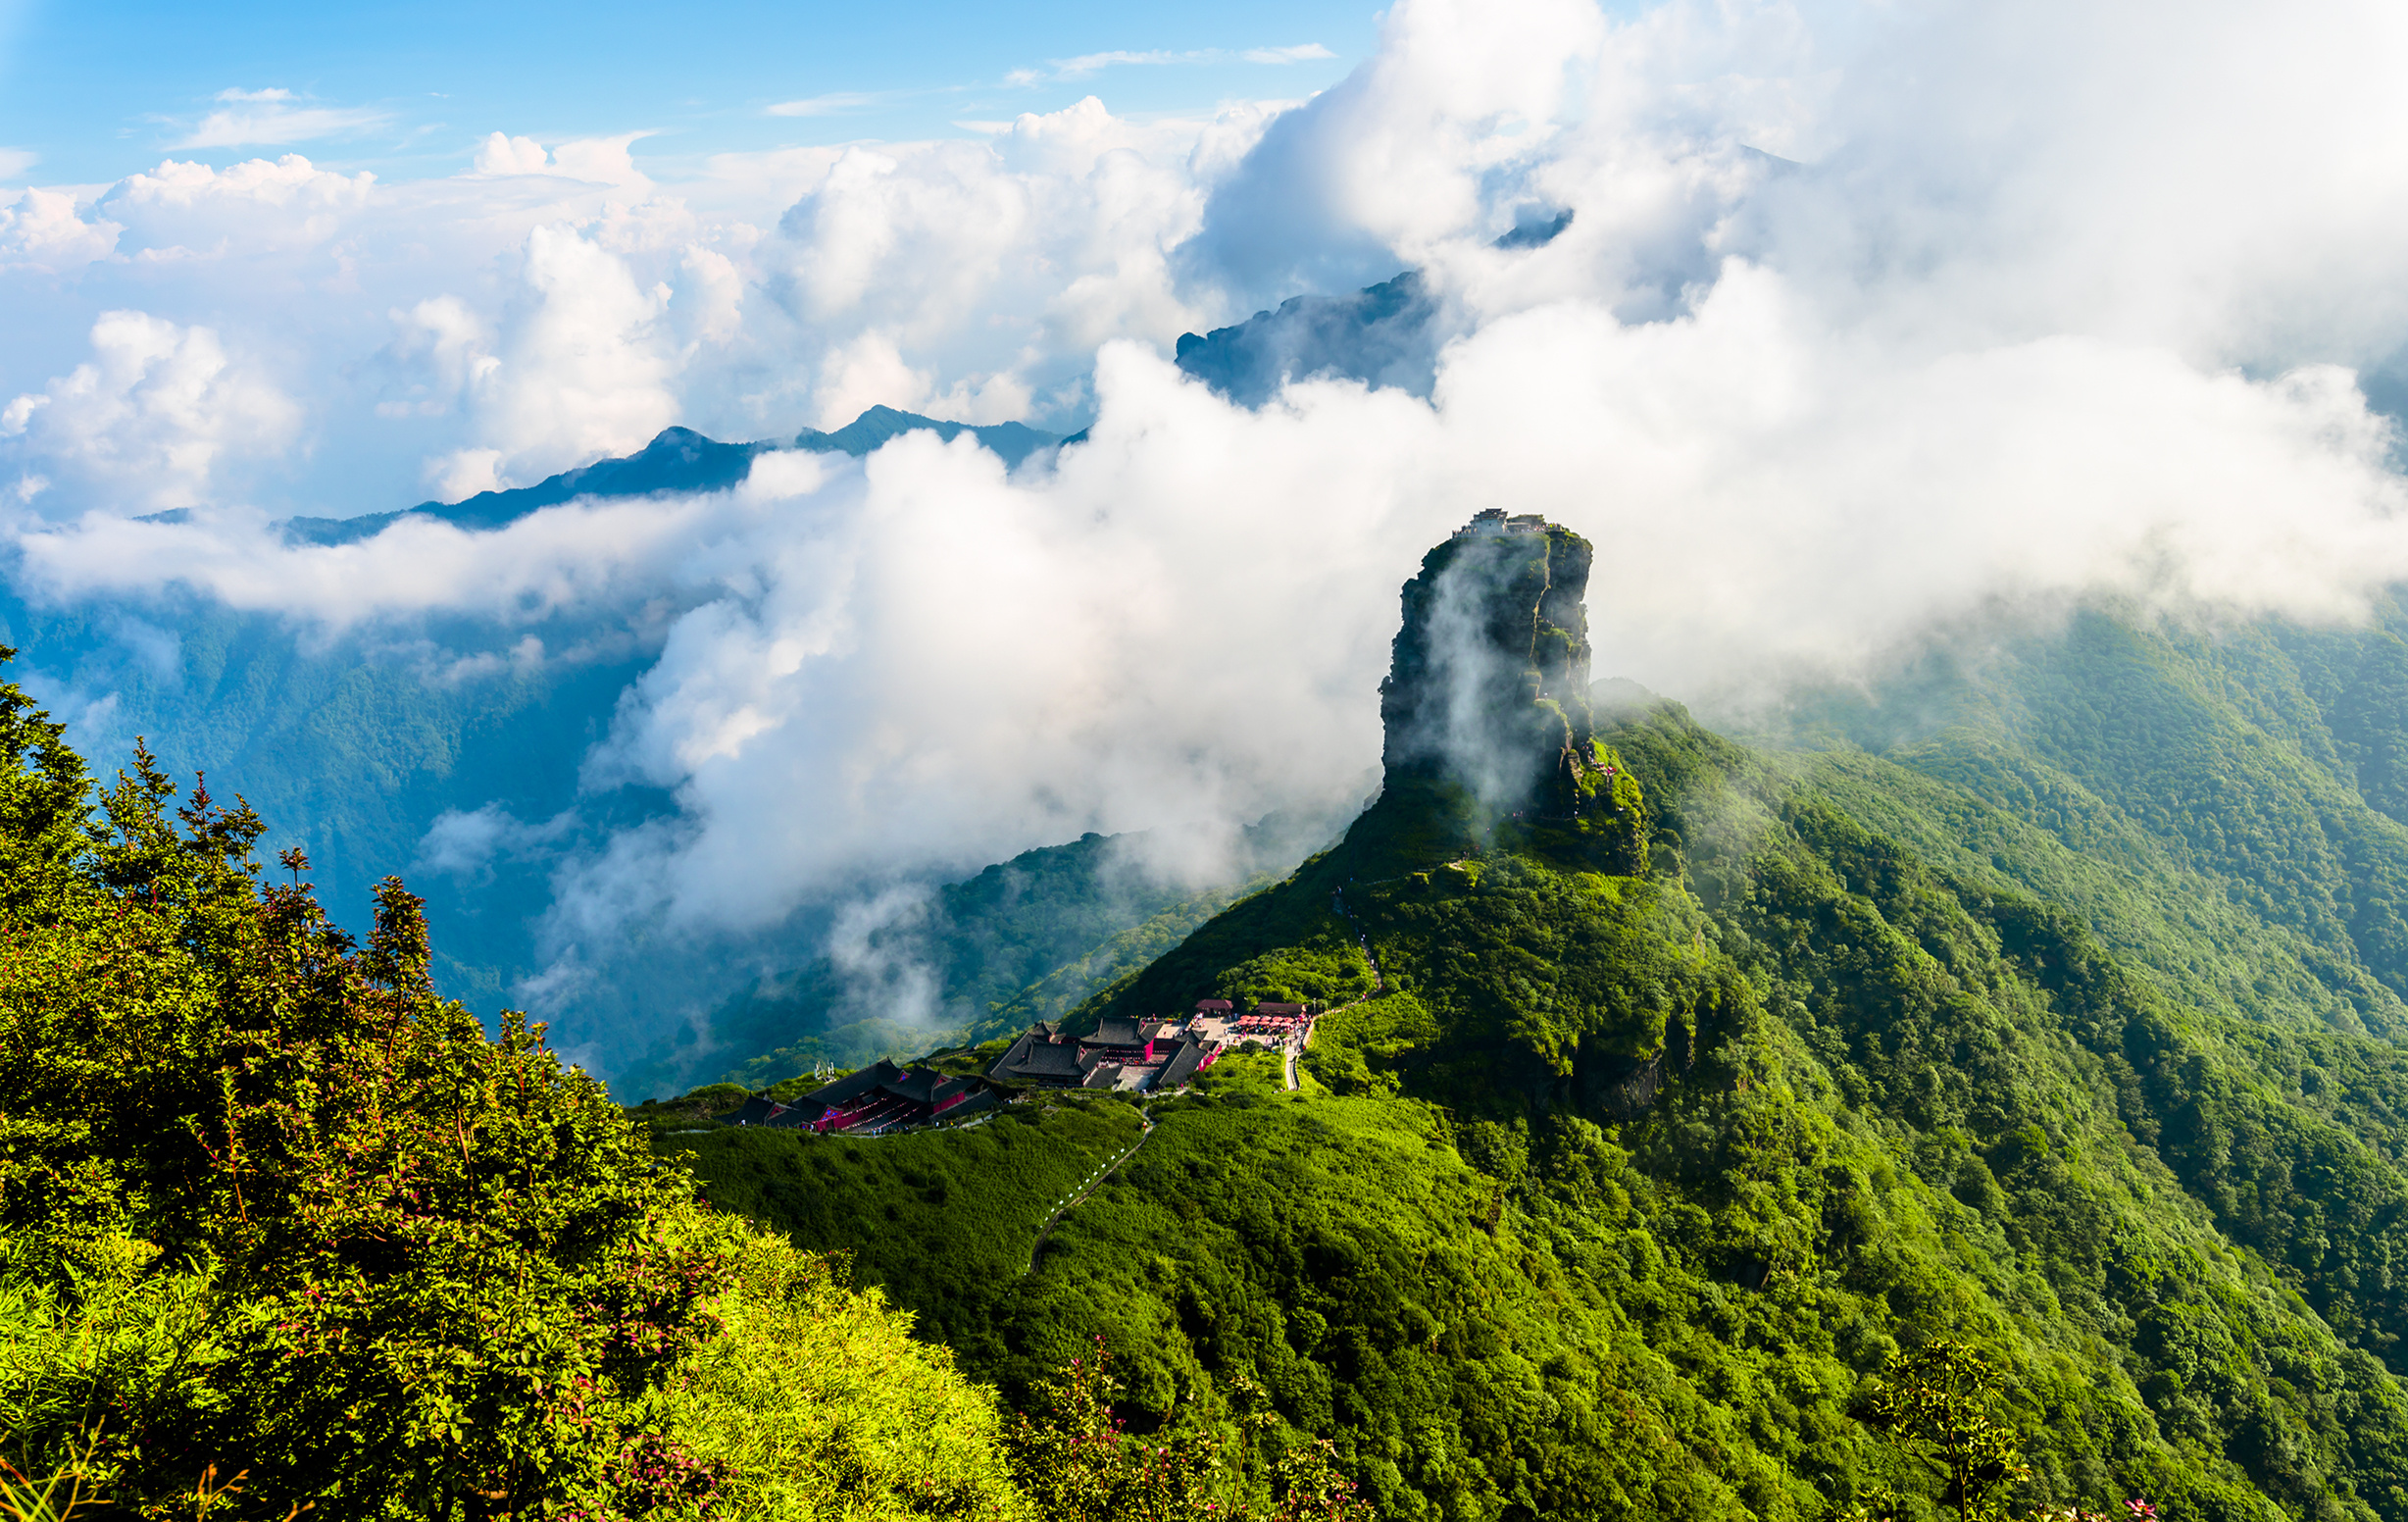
(1549,748)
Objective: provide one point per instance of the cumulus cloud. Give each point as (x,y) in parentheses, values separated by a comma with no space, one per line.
(580,370)
(1865,318)
(502,154)
(933,662)
(43,230)
(998,264)
(445,350)
(600,160)
(188,211)
(153,414)
(1402,154)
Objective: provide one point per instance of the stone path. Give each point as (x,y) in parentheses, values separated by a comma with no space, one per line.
(1086,1186)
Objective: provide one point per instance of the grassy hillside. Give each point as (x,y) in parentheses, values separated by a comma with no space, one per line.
(1618,1198)
(943,1221)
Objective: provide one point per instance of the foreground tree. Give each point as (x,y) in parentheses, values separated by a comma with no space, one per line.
(1079,1462)
(1940,1401)
(281,1226)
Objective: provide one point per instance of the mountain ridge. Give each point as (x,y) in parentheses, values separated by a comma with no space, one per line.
(1615,1192)
(677,459)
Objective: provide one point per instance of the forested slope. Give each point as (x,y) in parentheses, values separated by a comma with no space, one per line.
(2250,777)
(282,1231)
(1673,1123)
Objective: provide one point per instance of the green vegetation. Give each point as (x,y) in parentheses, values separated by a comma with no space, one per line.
(1079,1461)
(1940,1402)
(1978,1096)
(940,1220)
(1021,942)
(1637,1186)
(280,1228)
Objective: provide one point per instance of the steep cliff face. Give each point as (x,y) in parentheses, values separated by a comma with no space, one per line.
(1488,687)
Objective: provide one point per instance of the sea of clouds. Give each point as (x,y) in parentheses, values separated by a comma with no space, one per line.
(1868,316)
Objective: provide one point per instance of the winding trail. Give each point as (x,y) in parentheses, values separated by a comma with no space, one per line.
(1088,1186)
(1379,986)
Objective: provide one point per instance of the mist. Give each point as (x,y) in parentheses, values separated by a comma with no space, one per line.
(1866,319)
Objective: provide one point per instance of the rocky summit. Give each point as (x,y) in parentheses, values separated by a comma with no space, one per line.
(1488,687)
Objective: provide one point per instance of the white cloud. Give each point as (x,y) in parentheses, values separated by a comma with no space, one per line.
(466,842)
(246,117)
(603,160)
(1071,643)
(1092,63)
(1300,53)
(1403,153)
(824,105)
(862,374)
(154,413)
(502,154)
(584,372)
(710,303)
(192,210)
(2050,301)
(581,368)
(442,354)
(566,558)
(43,230)
(466,473)
(14,162)
(1012,258)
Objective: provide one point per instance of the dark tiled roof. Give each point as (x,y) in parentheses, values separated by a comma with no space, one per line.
(1214,1006)
(1034,1058)
(1266,1007)
(1118,1031)
(763,1111)
(845,1091)
(1053,1060)
(926,1086)
(1185,1058)
(756,1111)
(983,1099)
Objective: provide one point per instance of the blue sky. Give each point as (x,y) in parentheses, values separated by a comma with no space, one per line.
(93,90)
(2066,298)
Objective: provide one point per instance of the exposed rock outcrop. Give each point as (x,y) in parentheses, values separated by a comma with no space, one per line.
(1488,687)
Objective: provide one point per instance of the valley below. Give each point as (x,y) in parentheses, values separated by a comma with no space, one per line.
(1637,1119)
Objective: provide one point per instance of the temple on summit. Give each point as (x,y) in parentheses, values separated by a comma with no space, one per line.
(880,1097)
(1132,1055)
(1145,1056)
(1491,522)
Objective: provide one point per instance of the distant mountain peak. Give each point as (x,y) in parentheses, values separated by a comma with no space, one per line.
(1014,441)
(1383,336)
(677,459)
